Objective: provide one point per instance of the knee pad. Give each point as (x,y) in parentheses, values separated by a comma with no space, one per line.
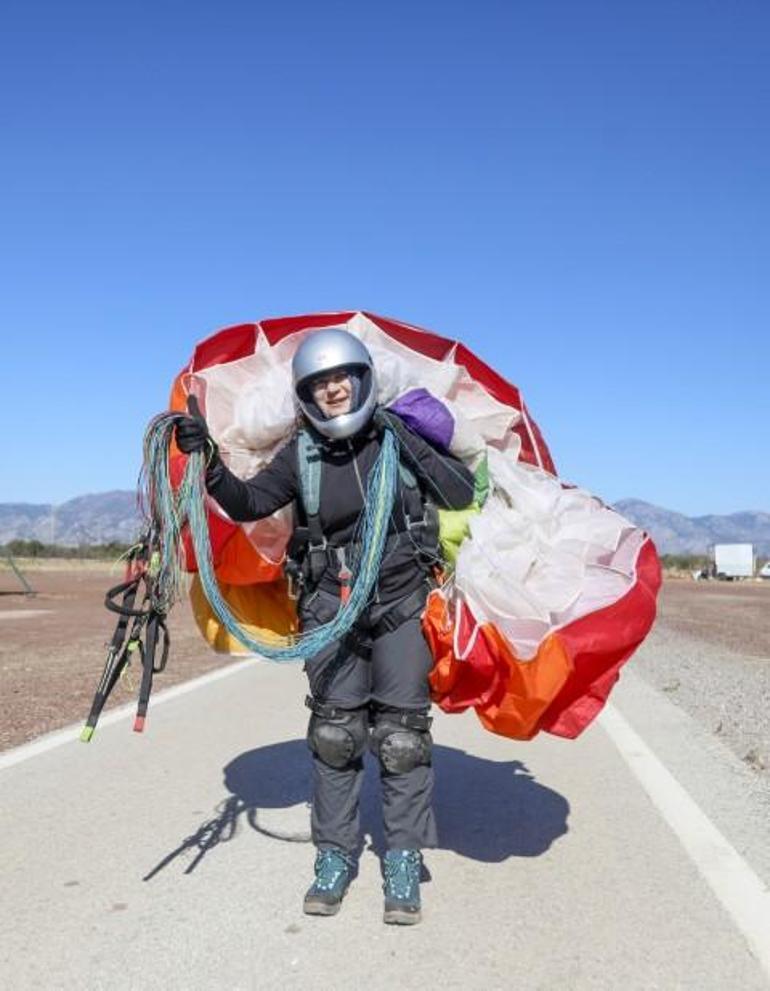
(399,746)
(339,740)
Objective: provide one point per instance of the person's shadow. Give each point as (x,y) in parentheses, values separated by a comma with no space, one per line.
(485,810)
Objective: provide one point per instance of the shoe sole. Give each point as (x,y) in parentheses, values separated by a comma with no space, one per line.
(399,917)
(320,908)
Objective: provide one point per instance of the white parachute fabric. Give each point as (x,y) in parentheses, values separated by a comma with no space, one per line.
(542,554)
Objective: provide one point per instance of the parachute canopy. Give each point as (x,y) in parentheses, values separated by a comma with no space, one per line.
(551,591)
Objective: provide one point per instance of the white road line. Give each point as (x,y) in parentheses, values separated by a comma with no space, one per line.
(742,893)
(23,613)
(72,733)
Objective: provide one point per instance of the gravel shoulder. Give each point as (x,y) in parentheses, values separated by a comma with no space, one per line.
(709,652)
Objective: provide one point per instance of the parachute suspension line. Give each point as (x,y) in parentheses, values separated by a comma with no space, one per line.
(165,509)
(169,510)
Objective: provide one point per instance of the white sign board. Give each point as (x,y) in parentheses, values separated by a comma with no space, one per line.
(734,560)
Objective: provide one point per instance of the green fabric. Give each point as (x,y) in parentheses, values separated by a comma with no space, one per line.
(453,528)
(454,524)
(481,484)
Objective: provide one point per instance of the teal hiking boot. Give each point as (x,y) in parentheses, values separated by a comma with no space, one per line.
(333,873)
(401,869)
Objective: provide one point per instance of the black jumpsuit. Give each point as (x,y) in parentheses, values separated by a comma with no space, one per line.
(376,672)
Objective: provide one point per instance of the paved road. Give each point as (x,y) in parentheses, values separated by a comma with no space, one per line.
(178,859)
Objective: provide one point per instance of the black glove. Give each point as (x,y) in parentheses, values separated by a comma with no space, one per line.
(192,432)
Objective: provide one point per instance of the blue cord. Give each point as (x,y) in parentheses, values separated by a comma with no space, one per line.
(169,510)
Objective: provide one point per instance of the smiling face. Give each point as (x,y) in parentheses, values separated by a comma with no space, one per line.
(333,393)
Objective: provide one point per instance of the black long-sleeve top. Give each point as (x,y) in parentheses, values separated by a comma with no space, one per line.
(345,467)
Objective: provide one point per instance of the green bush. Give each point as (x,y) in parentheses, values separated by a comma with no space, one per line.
(684,562)
(37,549)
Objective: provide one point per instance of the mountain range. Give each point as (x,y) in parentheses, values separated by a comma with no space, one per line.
(675,533)
(113,516)
(87,519)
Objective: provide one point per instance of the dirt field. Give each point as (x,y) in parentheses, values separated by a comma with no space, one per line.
(732,614)
(52,645)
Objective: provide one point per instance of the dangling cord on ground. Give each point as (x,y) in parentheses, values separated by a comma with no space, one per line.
(168,511)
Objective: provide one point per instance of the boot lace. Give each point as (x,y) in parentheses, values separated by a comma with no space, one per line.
(402,874)
(330,867)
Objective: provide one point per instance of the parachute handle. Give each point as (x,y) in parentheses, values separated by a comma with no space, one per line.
(113,593)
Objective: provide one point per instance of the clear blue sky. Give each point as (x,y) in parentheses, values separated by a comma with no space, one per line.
(579,191)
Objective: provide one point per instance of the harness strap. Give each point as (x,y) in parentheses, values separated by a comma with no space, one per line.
(309,469)
(407,608)
(309,456)
(324,709)
(310,555)
(155,624)
(408,718)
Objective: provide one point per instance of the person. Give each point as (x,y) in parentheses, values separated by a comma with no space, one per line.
(371,687)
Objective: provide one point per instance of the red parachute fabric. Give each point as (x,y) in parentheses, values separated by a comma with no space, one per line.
(599,645)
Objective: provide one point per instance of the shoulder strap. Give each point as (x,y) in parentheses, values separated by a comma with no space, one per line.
(309,467)
(309,464)
(414,504)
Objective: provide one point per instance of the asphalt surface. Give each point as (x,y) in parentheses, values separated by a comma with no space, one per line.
(178,859)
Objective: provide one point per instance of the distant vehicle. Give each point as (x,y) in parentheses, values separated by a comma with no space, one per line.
(764,571)
(734,561)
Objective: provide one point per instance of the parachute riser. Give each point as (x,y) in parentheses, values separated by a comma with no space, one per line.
(145,623)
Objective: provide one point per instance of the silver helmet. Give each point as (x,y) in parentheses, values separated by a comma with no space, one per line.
(322,352)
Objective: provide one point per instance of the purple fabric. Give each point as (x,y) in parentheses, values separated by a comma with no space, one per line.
(426,415)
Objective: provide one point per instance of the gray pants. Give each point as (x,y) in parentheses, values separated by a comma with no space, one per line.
(379,674)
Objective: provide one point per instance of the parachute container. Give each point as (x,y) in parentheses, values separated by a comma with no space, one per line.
(552,591)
